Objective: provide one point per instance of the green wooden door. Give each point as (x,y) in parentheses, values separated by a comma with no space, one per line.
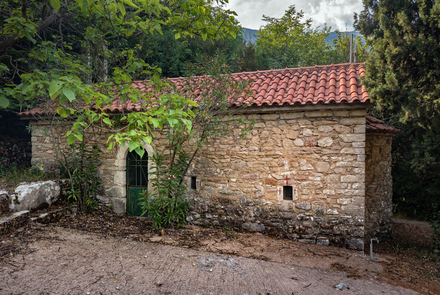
(137,181)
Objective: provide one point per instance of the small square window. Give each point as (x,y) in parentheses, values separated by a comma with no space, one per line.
(287,193)
(193,182)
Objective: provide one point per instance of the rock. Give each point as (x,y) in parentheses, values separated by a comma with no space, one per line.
(286,215)
(322,166)
(298,142)
(355,243)
(306,241)
(341,286)
(325,142)
(258,227)
(332,212)
(322,241)
(34,195)
(304,206)
(4,196)
(156,239)
(14,221)
(119,205)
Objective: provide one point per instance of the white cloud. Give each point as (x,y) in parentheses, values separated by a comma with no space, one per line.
(335,13)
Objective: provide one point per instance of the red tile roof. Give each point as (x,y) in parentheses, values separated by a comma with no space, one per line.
(332,84)
(378,126)
(301,86)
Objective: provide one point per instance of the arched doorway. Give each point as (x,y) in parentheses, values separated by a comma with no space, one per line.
(137,180)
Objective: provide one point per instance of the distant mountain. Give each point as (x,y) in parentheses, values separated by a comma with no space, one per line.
(250,35)
(333,35)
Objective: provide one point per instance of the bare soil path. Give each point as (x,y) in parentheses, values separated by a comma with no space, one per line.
(68,261)
(104,253)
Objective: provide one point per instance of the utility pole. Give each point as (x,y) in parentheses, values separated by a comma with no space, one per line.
(354,52)
(351,48)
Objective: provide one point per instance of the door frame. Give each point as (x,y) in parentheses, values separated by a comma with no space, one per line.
(121,169)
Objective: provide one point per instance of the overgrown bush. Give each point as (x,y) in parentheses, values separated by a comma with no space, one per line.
(435,224)
(82,169)
(14,175)
(165,203)
(207,118)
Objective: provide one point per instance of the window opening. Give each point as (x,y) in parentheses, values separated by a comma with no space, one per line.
(287,193)
(137,168)
(193,182)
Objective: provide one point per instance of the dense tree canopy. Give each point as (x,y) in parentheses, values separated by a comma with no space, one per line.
(292,41)
(81,52)
(403,79)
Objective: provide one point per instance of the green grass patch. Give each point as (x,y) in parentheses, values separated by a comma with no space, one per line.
(11,176)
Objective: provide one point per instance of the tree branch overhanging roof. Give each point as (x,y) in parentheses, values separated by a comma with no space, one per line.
(319,85)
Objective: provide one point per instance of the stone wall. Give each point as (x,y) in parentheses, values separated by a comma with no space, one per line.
(319,154)
(49,147)
(378,180)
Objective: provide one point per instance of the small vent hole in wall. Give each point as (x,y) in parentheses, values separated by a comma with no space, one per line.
(193,182)
(287,193)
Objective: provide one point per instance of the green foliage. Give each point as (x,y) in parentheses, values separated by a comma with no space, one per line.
(14,175)
(210,118)
(402,77)
(340,52)
(68,55)
(165,203)
(173,55)
(165,211)
(82,169)
(291,41)
(435,224)
(90,204)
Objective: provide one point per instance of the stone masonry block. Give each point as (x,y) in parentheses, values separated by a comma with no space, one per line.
(322,166)
(349,178)
(359,129)
(353,121)
(291,134)
(354,151)
(358,113)
(304,206)
(325,142)
(342,113)
(319,114)
(298,142)
(270,117)
(352,137)
(325,129)
(342,128)
(289,116)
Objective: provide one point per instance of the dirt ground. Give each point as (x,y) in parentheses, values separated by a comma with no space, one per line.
(109,254)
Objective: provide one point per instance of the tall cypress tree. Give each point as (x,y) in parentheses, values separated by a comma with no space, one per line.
(403,79)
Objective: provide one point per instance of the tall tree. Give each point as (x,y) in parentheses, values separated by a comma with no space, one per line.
(75,53)
(290,41)
(403,79)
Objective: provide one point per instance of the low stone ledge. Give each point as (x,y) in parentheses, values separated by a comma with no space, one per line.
(16,220)
(10,223)
(342,231)
(55,215)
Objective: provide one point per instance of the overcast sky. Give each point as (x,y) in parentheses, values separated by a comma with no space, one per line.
(335,13)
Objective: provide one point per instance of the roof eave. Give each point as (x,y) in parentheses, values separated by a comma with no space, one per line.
(299,108)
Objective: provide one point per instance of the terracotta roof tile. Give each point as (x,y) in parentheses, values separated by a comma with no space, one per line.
(378,126)
(312,85)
